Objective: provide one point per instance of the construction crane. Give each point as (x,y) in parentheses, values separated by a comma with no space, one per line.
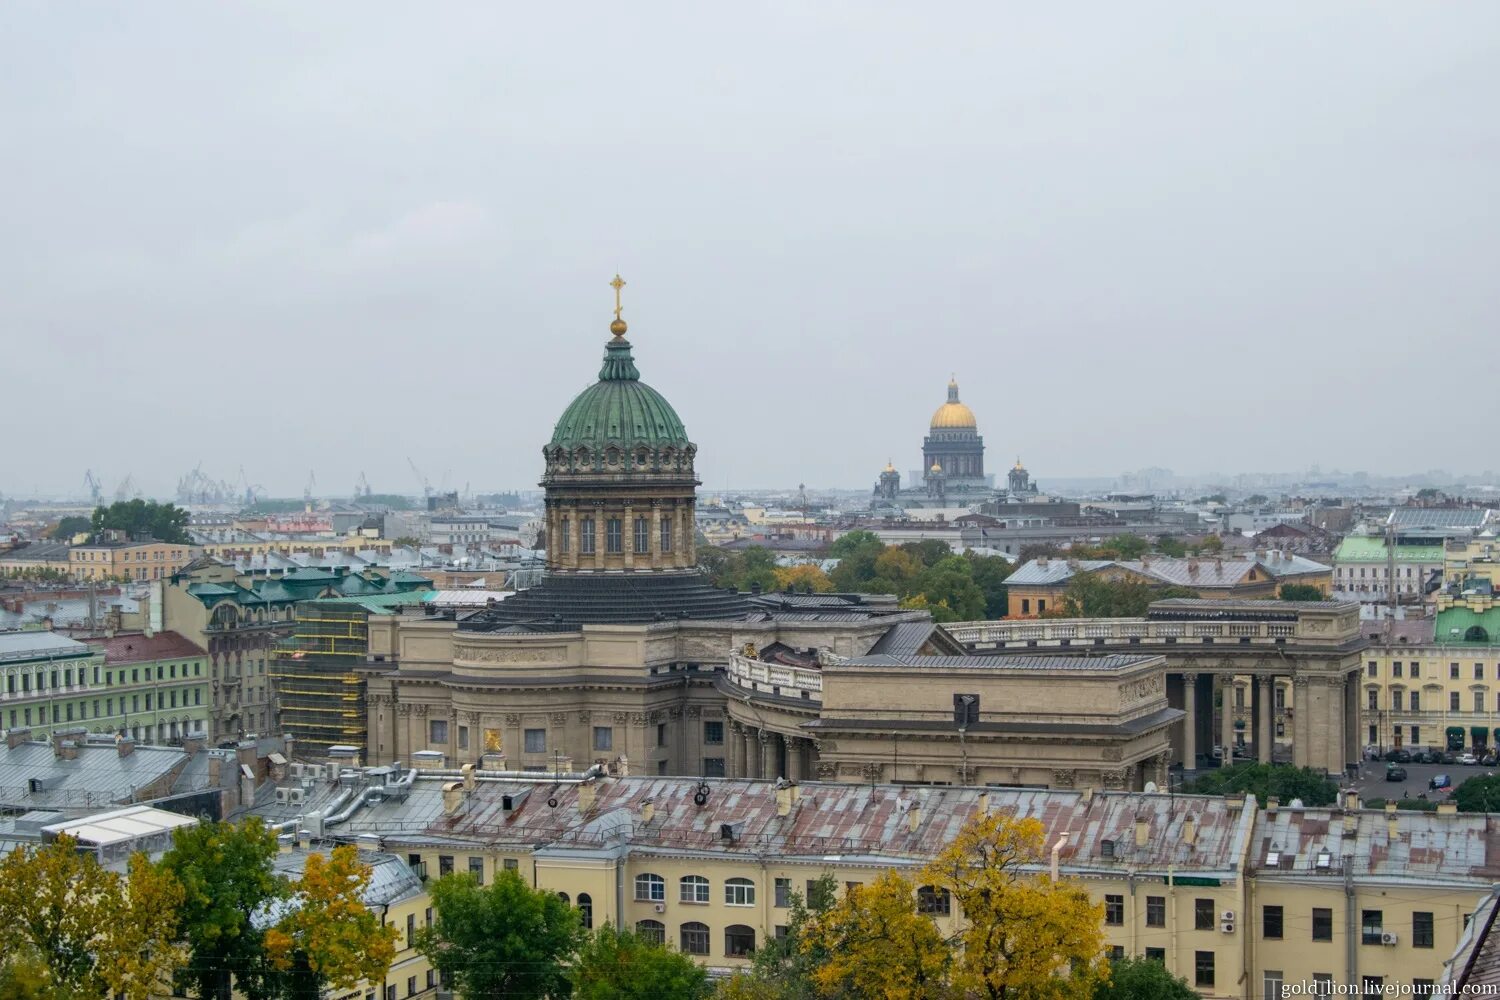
(91,482)
(127,488)
(361,486)
(251,493)
(426,486)
(312,481)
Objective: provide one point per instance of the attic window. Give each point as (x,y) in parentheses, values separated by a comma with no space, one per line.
(1107,848)
(1324,858)
(1273,859)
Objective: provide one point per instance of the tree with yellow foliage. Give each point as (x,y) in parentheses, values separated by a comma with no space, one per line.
(801,577)
(876,944)
(1020,935)
(84,930)
(330,938)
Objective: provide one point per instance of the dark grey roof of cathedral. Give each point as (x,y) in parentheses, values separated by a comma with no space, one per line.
(564,599)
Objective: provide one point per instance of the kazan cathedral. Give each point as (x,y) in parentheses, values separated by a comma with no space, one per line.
(952,465)
(626,656)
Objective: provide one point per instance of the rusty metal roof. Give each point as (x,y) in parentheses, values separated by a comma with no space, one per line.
(1407,846)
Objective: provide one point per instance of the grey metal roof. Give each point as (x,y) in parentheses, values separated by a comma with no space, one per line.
(1440,517)
(1107,662)
(1209,604)
(97,777)
(35,645)
(1055,571)
(1417,847)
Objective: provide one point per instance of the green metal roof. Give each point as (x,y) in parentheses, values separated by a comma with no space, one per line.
(1363,548)
(1454,623)
(619,410)
(383,603)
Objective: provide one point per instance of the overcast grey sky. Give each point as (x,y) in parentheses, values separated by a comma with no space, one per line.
(329,236)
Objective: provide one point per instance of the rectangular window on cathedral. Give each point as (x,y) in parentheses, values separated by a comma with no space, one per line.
(642,535)
(612,535)
(666,536)
(586,536)
(566,541)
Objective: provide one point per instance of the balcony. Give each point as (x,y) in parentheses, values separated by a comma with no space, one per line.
(775,679)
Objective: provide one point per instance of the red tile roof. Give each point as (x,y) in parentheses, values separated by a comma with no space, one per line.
(137,647)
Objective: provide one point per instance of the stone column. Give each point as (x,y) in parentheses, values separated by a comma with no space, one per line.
(600,532)
(1351,719)
(627,537)
(1333,734)
(1226,718)
(736,750)
(576,530)
(653,544)
(794,757)
(1266,702)
(1300,719)
(680,531)
(751,751)
(768,766)
(1190,722)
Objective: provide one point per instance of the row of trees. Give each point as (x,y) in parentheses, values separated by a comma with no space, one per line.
(163,521)
(923,575)
(212,917)
(1017,936)
(1284,781)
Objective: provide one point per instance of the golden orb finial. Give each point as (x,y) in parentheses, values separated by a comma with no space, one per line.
(618,326)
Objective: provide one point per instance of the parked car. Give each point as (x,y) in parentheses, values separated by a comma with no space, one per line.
(1488,760)
(1449,757)
(1440,781)
(1467,758)
(1394,773)
(1399,755)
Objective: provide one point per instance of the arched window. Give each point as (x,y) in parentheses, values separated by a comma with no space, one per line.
(651,931)
(694,938)
(1476,633)
(739,892)
(564,897)
(693,889)
(650,888)
(586,910)
(739,941)
(934,901)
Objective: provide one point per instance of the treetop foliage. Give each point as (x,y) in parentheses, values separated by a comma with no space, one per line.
(162,521)
(1284,781)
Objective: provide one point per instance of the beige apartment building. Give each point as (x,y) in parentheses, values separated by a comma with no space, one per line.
(1236,899)
(118,558)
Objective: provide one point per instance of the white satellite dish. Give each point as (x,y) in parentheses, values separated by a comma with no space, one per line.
(1151,788)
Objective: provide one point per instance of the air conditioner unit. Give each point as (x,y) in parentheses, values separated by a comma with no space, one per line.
(295,796)
(1226,926)
(661,907)
(282,795)
(1388,938)
(1227,915)
(296,770)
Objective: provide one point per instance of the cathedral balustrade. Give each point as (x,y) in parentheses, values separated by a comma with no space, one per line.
(775,678)
(1003,634)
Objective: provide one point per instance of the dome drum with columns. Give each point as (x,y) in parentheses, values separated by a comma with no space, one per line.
(953,447)
(620,496)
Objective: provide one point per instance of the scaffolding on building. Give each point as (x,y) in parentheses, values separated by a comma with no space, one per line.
(322,698)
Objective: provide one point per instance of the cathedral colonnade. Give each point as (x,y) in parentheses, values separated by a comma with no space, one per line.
(1321,720)
(756,752)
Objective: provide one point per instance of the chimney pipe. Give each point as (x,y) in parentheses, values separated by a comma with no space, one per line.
(453,797)
(15,737)
(1189,830)
(1142,831)
(648,811)
(1057,854)
(125,746)
(587,791)
(914,817)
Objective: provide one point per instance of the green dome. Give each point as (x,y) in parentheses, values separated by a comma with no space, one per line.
(619,410)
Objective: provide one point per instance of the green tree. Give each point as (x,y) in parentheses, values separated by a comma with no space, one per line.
(875,943)
(505,939)
(713,562)
(330,938)
(1142,979)
(1478,794)
(70,526)
(783,967)
(848,544)
(1127,546)
(1407,805)
(86,931)
(752,567)
(1265,780)
(1090,595)
(161,521)
(25,976)
(407,542)
(857,553)
(620,965)
(950,582)
(1256,499)
(928,552)
(1300,592)
(1209,544)
(1169,546)
(804,577)
(990,573)
(226,874)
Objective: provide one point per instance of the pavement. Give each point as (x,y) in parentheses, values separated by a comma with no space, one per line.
(1372,783)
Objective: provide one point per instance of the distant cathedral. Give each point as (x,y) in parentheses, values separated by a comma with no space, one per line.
(953,465)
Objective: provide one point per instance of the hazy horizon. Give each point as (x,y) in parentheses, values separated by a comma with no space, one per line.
(331,237)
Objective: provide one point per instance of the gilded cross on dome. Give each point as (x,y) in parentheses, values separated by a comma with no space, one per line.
(618,326)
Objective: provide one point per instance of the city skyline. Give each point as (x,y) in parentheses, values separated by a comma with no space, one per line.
(1144,244)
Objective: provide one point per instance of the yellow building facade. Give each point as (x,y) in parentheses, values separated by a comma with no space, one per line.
(124,560)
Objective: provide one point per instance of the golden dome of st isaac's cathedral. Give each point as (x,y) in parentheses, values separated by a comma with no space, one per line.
(953,414)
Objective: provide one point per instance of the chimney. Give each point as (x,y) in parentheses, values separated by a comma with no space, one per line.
(914,817)
(193,743)
(648,811)
(284,843)
(125,746)
(1272,804)
(453,797)
(1390,809)
(1142,831)
(984,803)
(1351,798)
(1189,830)
(587,791)
(470,782)
(1351,823)
(786,797)
(1449,808)
(15,737)
(67,749)
(304,840)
